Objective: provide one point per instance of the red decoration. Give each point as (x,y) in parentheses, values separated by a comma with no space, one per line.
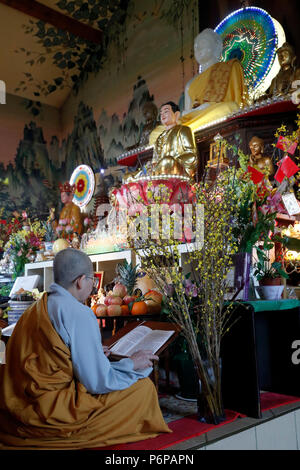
(286,168)
(80,185)
(135,196)
(287,145)
(256,176)
(67,187)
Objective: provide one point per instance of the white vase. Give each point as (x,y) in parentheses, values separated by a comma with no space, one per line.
(270,292)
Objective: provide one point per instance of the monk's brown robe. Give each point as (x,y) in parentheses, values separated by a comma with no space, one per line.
(42,405)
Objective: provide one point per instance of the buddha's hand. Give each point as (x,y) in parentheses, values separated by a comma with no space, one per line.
(143,359)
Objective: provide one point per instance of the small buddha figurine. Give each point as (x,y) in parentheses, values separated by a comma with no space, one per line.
(288,73)
(150,112)
(219,89)
(258,160)
(70,212)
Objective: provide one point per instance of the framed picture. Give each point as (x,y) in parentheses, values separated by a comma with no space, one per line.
(99,275)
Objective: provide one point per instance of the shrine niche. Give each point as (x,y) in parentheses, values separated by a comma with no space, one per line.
(259,120)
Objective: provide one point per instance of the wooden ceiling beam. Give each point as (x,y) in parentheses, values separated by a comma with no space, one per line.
(55,18)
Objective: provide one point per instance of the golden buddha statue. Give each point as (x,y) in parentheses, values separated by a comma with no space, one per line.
(174,150)
(257,159)
(219,89)
(288,73)
(70,212)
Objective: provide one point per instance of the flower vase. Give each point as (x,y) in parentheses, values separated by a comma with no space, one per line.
(18,267)
(242,264)
(187,377)
(210,407)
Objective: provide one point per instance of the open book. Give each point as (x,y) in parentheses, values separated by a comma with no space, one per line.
(141,337)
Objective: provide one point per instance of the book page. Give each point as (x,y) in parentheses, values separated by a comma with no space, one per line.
(136,340)
(130,340)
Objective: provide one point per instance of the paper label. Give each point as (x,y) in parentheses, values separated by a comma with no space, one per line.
(291,203)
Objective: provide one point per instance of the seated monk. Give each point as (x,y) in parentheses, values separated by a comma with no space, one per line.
(174,150)
(257,159)
(58,390)
(70,212)
(219,89)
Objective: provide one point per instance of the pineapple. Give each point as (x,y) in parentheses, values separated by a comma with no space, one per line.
(127,275)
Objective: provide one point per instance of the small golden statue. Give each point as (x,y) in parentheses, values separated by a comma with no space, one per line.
(258,160)
(288,73)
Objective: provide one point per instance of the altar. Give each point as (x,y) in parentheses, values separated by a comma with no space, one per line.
(238,129)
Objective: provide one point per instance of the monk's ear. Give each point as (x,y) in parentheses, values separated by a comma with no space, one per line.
(79,281)
(177,115)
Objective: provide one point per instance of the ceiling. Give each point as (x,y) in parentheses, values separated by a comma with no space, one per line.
(44,67)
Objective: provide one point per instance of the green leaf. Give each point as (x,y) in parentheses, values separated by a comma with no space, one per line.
(29,104)
(51,88)
(70,7)
(51,32)
(62,64)
(35,111)
(58,56)
(47,42)
(62,4)
(58,81)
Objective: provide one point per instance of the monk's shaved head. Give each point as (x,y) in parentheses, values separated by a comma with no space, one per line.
(69,264)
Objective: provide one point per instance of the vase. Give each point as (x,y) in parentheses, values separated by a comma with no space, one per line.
(210,407)
(242,264)
(187,377)
(60,244)
(18,267)
(49,246)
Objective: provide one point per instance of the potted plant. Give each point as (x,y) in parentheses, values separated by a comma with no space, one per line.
(269,276)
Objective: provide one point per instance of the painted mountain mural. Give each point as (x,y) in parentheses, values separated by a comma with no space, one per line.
(31,178)
(31,181)
(117,135)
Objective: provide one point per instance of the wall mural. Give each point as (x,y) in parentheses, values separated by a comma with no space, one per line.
(98,132)
(41,166)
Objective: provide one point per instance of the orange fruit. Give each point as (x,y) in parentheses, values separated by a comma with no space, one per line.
(94,308)
(139,308)
(125,310)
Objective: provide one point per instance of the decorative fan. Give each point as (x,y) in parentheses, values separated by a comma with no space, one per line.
(252,36)
(84,179)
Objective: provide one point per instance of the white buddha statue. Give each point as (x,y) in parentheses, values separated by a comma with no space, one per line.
(219,89)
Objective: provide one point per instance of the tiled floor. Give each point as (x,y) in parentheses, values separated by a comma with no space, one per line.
(278,429)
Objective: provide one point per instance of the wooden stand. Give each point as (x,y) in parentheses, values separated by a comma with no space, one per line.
(154,325)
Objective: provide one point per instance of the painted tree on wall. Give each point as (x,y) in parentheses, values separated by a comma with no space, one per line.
(74,57)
